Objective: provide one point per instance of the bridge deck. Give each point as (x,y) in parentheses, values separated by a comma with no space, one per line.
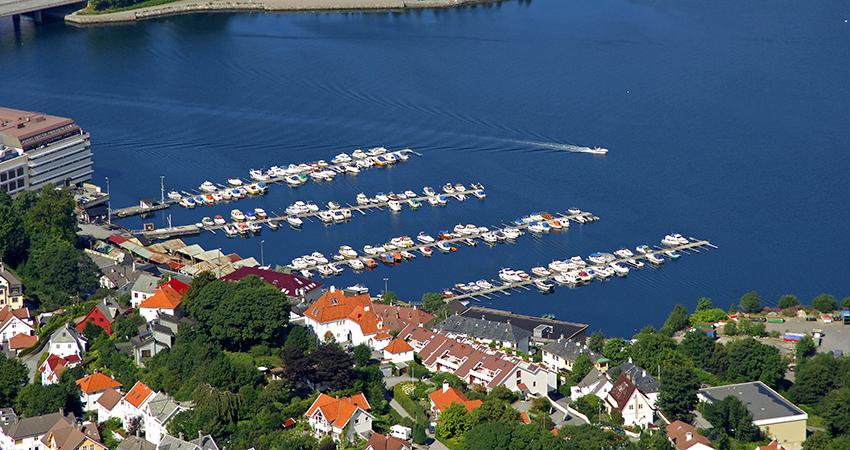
(13,7)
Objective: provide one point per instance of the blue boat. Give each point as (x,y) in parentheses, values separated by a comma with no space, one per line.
(199,200)
(189,201)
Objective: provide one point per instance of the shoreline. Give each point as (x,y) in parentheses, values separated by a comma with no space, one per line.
(265,6)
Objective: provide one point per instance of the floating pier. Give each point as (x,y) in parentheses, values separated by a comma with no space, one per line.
(303,172)
(326,215)
(502,287)
(561,219)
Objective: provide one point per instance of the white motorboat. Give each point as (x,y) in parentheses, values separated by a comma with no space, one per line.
(669,241)
(407,255)
(375,151)
(595,151)
(511,233)
(540,271)
(585,275)
(681,239)
(460,188)
(558,266)
(672,254)
(337,215)
(234,181)
(578,261)
(207,222)
(325,271)
(359,154)
(312,206)
(208,186)
(444,247)
(624,253)
(373,251)
(643,249)
(543,286)
(429,191)
(258,175)
(394,206)
(174,195)
(426,251)
(448,188)
(319,258)
(237,215)
(341,158)
(219,220)
(347,252)
(335,269)
(441,200)
(333,205)
(536,227)
(597,258)
(362,199)
(484,284)
(306,273)
(261,213)
(654,259)
(619,269)
(636,263)
(574,211)
(603,272)
(293,180)
(273,225)
(489,238)
(356,264)
(566,278)
(509,276)
(326,216)
(188,202)
(230,230)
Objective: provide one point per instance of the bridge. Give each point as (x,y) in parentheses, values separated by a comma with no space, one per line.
(15,8)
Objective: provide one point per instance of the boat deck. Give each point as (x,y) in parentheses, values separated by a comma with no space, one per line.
(501,287)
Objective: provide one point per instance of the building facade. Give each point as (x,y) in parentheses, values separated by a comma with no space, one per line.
(11,289)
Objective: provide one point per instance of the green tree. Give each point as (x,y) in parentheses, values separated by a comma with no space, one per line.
(712,315)
(704,303)
(697,346)
(651,348)
(362,355)
(35,399)
(678,392)
(589,405)
(805,348)
(301,338)
(495,410)
(730,328)
(57,271)
(596,341)
(817,376)
(389,297)
(453,422)
(92,331)
(432,302)
(331,366)
(127,325)
(419,436)
(13,238)
(819,440)
(835,411)
(729,415)
(654,440)
(240,315)
(788,301)
(198,283)
(677,320)
(510,436)
(589,437)
(51,217)
(750,302)
(824,303)
(617,350)
(581,367)
(13,376)
(215,411)
(845,303)
(751,360)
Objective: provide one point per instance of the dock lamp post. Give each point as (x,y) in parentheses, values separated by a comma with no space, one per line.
(108,203)
(385,285)
(262,258)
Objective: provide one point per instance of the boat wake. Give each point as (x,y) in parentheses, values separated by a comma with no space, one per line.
(564,147)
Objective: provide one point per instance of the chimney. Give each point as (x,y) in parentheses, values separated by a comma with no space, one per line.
(333,288)
(445,386)
(688,436)
(366,308)
(62,411)
(200,437)
(181,436)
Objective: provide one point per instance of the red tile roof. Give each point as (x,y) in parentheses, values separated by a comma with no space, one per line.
(772,446)
(621,392)
(290,284)
(380,442)
(445,396)
(7,313)
(165,297)
(21,340)
(138,394)
(397,317)
(338,411)
(336,305)
(678,432)
(96,382)
(177,285)
(398,346)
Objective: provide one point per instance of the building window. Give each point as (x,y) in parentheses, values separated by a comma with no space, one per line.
(631,406)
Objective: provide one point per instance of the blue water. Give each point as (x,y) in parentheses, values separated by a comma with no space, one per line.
(726,120)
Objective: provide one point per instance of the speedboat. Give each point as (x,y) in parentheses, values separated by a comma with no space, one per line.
(444,247)
(537,227)
(489,238)
(509,276)
(407,255)
(356,264)
(230,230)
(262,187)
(566,278)
(511,233)
(234,181)
(460,188)
(326,216)
(250,216)
(603,272)
(429,191)
(381,197)
(585,275)
(252,189)
(543,286)
(578,261)
(540,271)
(413,203)
(558,266)
(362,199)
(187,202)
(255,227)
(574,211)
(596,151)
(643,249)
(333,205)
(260,213)
(258,175)
(273,225)
(293,180)
(448,188)
(596,258)
(207,222)
(426,251)
(672,254)
(636,263)
(347,252)
(226,195)
(556,224)
(387,258)
(243,228)
(352,169)
(237,215)
(219,220)
(484,284)
(174,195)
(441,200)
(654,258)
(394,206)
(208,186)
(358,154)
(338,215)
(619,269)
(624,253)
(370,263)
(669,241)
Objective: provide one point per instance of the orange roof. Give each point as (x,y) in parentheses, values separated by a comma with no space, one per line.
(398,346)
(96,382)
(523,416)
(445,396)
(7,313)
(554,431)
(165,297)
(338,411)
(772,446)
(22,340)
(336,305)
(383,335)
(138,394)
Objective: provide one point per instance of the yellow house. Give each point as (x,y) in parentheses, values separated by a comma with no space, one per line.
(11,289)
(70,436)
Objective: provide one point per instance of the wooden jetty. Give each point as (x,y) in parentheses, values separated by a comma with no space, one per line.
(502,287)
(166,202)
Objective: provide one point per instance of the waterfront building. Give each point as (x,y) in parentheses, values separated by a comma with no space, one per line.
(543,330)
(498,334)
(346,316)
(294,286)
(38,149)
(11,289)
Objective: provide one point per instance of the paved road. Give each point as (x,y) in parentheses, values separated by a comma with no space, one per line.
(397,406)
(31,362)
(392,381)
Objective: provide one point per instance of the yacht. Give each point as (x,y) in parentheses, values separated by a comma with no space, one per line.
(174,195)
(489,238)
(362,199)
(654,259)
(603,272)
(566,278)
(352,169)
(558,266)
(187,202)
(326,216)
(258,175)
(237,215)
(230,230)
(261,213)
(681,239)
(325,271)
(359,154)
(207,222)
(356,264)
(312,206)
(624,253)
(585,275)
(429,191)
(338,215)
(543,286)
(381,197)
(319,258)
(372,251)
(536,227)
(484,284)
(511,233)
(426,251)
(335,269)
(341,158)
(375,151)
(670,241)
(672,254)
(578,261)
(219,220)
(208,186)
(347,252)
(619,269)
(509,276)
(596,258)
(448,188)
(636,263)
(540,271)
(333,205)
(234,181)
(444,247)
(394,206)
(574,211)
(643,249)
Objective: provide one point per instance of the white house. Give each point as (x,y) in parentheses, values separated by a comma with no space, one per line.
(53,367)
(345,316)
(134,402)
(594,383)
(14,322)
(398,351)
(637,409)
(92,387)
(165,301)
(143,288)
(684,436)
(26,433)
(108,405)
(67,341)
(560,355)
(345,418)
(157,413)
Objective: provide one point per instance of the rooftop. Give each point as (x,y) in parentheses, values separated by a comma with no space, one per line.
(571,349)
(684,435)
(446,395)
(96,382)
(481,328)
(338,410)
(764,403)
(380,442)
(560,328)
(290,284)
(24,129)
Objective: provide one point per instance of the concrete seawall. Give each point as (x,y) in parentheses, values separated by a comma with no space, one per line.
(202,6)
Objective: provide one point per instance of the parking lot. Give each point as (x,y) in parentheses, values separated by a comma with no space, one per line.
(836,335)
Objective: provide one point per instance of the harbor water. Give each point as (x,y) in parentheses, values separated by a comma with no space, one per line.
(726,121)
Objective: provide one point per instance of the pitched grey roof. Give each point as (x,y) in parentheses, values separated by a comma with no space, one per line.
(7,416)
(135,443)
(485,329)
(763,402)
(640,377)
(206,442)
(163,407)
(33,426)
(66,335)
(146,283)
(594,376)
(169,442)
(570,349)
(554,329)
(9,275)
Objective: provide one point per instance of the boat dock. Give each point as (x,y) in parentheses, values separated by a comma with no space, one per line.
(326,216)
(220,190)
(474,238)
(501,287)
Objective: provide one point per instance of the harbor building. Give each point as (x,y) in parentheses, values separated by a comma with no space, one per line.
(38,149)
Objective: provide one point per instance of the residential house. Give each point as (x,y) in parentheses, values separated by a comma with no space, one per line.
(594,383)
(67,341)
(154,337)
(102,315)
(7,416)
(343,418)
(157,413)
(135,443)
(144,287)
(773,445)
(14,322)
(396,317)
(165,301)
(69,436)
(108,405)
(378,441)
(295,287)
(11,289)
(53,367)
(203,442)
(345,316)
(21,341)
(92,387)
(133,403)
(398,351)
(775,416)
(560,355)
(684,436)
(477,363)
(445,396)
(627,399)
(543,330)
(647,384)
(26,433)
(499,334)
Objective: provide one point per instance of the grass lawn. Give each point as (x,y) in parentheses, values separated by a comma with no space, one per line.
(141,4)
